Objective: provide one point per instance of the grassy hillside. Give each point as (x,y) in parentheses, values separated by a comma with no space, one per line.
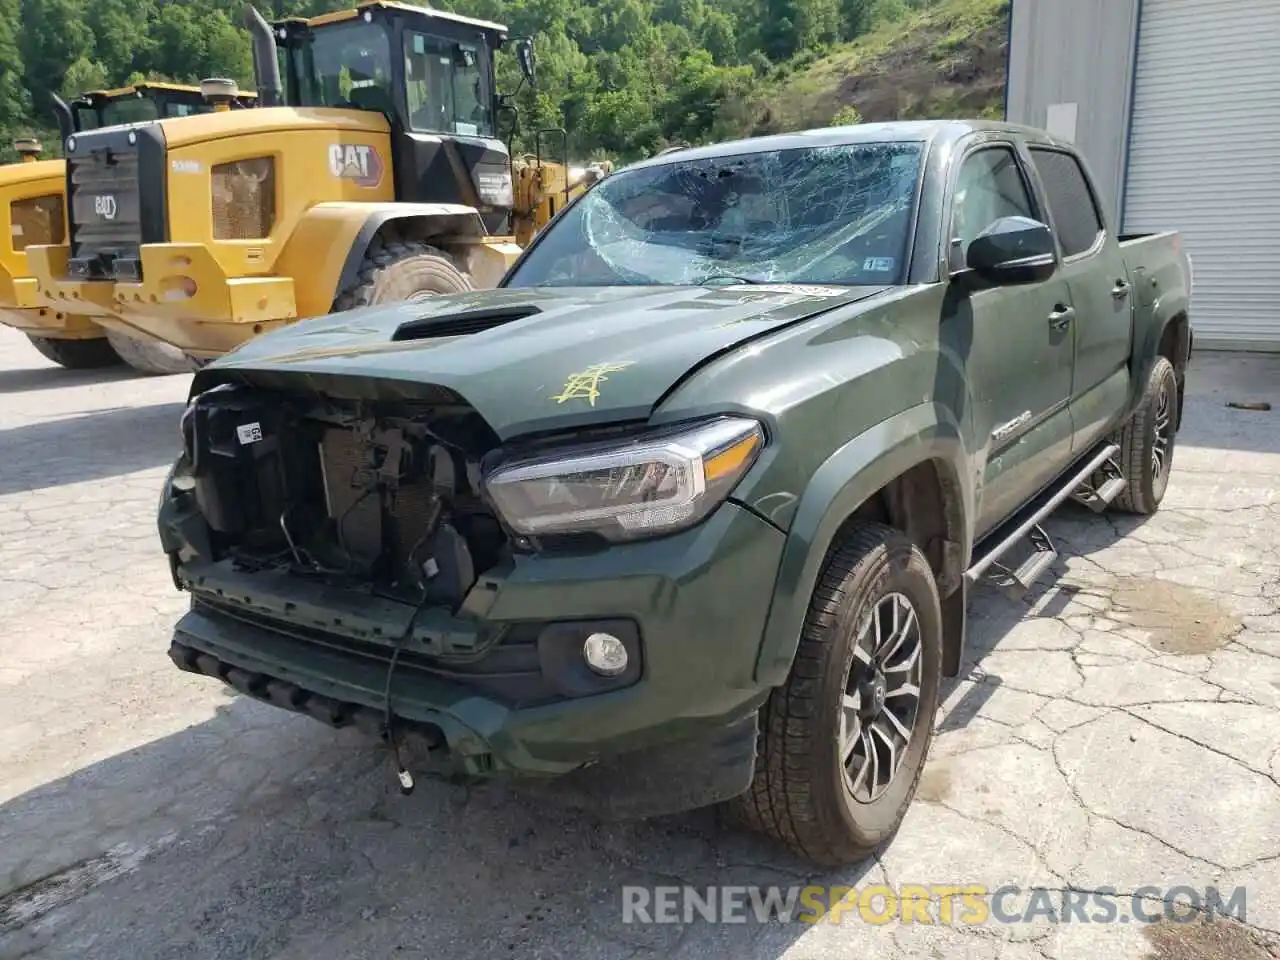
(948,60)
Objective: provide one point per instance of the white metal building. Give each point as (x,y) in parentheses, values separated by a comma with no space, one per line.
(1176,105)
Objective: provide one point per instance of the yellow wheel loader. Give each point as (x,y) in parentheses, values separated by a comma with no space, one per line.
(32,201)
(372,171)
(542,189)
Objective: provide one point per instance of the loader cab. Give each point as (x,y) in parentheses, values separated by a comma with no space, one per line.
(431,73)
(142,102)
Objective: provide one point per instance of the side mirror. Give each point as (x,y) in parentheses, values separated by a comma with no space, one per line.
(524,54)
(1013,250)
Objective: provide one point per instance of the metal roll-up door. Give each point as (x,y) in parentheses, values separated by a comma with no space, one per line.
(1204,157)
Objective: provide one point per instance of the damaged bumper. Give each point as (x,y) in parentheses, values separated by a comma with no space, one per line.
(501,686)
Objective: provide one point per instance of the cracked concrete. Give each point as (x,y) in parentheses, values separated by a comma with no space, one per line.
(1117,732)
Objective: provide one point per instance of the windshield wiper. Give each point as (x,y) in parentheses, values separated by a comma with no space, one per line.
(726,278)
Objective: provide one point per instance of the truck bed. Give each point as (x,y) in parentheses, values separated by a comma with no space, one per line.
(1158,257)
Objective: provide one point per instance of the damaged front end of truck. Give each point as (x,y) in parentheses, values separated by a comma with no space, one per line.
(491,599)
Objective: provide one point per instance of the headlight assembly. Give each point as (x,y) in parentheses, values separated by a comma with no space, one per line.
(627,489)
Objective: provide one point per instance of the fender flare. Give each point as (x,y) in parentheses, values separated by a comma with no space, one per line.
(1165,311)
(846,480)
(456,218)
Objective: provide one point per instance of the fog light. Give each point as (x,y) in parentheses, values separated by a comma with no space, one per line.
(605,654)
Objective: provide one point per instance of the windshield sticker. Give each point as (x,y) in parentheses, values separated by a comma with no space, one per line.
(357,162)
(879,264)
(586,385)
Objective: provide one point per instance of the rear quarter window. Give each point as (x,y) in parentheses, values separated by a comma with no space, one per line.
(1071,202)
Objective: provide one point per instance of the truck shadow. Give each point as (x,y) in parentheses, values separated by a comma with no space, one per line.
(91,446)
(257,833)
(1077,532)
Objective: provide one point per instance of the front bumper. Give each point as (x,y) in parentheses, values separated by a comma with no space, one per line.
(698,601)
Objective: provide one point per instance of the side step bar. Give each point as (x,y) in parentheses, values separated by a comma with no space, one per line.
(1100,490)
(1080,485)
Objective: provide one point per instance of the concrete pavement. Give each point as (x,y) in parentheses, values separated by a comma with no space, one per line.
(1119,729)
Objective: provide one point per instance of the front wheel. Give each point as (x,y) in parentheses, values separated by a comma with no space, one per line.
(395,271)
(1147,442)
(844,740)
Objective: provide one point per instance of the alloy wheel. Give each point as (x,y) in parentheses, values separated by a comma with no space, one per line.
(881,697)
(1163,435)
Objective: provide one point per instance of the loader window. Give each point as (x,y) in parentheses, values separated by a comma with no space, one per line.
(136,110)
(346,65)
(129,110)
(447,86)
(86,118)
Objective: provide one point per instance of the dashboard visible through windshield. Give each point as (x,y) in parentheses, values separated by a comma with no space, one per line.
(818,215)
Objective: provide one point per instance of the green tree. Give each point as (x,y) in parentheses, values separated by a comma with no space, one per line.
(15,103)
(83,75)
(623,76)
(54,35)
(118,40)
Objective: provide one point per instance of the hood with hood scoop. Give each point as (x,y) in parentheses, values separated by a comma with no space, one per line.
(529,359)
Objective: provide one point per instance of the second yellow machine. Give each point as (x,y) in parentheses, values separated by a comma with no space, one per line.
(372,172)
(31,213)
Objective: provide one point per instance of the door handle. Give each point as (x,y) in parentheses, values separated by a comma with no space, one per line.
(1120,290)
(1061,317)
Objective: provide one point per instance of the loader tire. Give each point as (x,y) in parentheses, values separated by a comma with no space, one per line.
(77,354)
(394,271)
(150,357)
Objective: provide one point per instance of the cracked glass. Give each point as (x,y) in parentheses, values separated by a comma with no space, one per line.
(837,215)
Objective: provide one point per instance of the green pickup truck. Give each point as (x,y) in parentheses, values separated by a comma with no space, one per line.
(688,509)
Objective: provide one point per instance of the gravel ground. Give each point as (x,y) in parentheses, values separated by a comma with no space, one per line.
(1118,729)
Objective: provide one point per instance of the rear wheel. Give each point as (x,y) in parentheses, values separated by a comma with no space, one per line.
(398,270)
(149,356)
(76,354)
(1147,442)
(844,741)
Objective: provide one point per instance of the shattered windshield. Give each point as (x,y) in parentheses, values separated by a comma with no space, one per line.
(822,215)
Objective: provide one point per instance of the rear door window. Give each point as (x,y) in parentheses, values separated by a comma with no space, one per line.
(1071,202)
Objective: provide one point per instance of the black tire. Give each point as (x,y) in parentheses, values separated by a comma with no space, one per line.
(802,794)
(150,357)
(397,270)
(1147,442)
(77,354)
